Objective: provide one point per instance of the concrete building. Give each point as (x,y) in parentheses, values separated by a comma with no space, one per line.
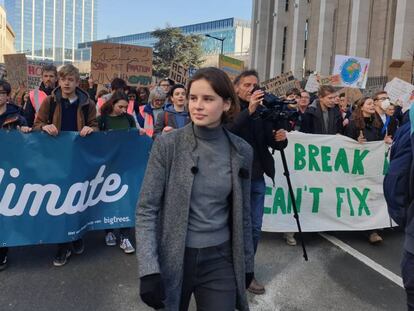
(305,35)
(52,29)
(235,31)
(7,36)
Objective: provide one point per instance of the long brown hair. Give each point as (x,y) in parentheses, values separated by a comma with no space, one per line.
(221,84)
(108,106)
(358,116)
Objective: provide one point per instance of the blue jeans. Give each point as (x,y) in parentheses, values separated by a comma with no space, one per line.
(257,198)
(407,269)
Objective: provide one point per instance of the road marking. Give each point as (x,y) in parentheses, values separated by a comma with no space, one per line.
(364,259)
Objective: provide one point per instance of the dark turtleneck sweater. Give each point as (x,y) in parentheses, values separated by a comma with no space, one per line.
(209,207)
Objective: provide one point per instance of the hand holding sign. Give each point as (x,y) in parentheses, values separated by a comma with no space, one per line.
(361,138)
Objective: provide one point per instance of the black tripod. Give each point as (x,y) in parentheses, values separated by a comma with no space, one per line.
(292,197)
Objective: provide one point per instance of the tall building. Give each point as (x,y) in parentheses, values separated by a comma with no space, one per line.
(52,29)
(7,36)
(235,31)
(304,36)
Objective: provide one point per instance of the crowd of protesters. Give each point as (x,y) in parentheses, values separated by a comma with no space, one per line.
(202,240)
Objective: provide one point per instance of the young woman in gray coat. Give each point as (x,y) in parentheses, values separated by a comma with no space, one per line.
(193,217)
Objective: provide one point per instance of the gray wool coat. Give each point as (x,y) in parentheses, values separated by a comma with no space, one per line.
(164,205)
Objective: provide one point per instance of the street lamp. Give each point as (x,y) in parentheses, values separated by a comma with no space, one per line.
(219,39)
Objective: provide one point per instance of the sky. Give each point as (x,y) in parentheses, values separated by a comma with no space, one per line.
(124,17)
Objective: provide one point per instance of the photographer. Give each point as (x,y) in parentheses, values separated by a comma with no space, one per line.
(260,135)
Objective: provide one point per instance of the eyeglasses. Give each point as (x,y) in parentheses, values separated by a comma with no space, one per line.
(383,98)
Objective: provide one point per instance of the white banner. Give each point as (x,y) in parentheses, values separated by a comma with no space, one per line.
(337,184)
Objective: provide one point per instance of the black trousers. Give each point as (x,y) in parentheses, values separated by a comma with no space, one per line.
(209,275)
(3,251)
(407,269)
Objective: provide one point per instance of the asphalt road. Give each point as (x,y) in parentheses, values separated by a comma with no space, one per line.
(104,278)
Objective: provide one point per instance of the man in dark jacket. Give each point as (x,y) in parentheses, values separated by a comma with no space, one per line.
(389,124)
(323,116)
(10,118)
(36,96)
(399,196)
(261,136)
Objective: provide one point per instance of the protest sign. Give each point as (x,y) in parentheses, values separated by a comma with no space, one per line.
(400,68)
(281,84)
(231,66)
(333,80)
(397,89)
(352,94)
(16,66)
(179,73)
(337,184)
(130,62)
(34,73)
(71,184)
(352,71)
(312,85)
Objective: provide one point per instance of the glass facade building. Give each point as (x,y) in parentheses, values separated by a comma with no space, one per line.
(52,29)
(231,29)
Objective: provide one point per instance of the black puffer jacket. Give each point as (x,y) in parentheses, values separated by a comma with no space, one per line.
(259,134)
(12,117)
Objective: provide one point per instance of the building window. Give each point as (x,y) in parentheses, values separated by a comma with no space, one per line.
(284,49)
(287,5)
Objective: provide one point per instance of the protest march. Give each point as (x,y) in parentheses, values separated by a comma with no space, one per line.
(188,165)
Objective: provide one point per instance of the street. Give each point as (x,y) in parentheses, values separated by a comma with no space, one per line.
(104,278)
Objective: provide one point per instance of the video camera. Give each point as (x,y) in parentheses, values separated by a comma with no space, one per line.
(276,110)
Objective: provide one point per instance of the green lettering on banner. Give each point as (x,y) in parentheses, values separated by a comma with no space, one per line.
(298,201)
(341,161)
(362,197)
(279,201)
(339,201)
(268,210)
(386,164)
(326,158)
(351,207)
(300,153)
(313,153)
(358,166)
(316,196)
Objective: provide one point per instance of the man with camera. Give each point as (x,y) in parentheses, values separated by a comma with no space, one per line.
(261,136)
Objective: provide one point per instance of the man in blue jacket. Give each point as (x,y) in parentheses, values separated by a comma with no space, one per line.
(399,195)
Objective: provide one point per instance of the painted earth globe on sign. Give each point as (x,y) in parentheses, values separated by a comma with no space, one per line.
(350,71)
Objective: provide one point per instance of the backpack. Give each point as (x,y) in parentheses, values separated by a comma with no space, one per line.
(85,111)
(397,182)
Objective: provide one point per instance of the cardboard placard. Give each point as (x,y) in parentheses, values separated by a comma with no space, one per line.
(179,73)
(398,89)
(352,94)
(129,62)
(400,68)
(34,73)
(281,84)
(16,66)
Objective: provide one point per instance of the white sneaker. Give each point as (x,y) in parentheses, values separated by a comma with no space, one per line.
(110,239)
(290,238)
(127,246)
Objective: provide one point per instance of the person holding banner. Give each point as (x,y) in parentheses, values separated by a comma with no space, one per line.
(10,118)
(260,135)
(193,217)
(39,94)
(175,115)
(68,108)
(114,116)
(323,116)
(365,125)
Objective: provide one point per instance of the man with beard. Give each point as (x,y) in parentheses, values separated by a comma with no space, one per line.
(38,95)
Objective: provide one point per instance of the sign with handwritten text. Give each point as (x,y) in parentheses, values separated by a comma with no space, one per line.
(130,62)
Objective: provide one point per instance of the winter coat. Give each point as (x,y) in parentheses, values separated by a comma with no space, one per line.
(12,117)
(42,117)
(168,118)
(164,205)
(371,133)
(391,127)
(259,134)
(313,120)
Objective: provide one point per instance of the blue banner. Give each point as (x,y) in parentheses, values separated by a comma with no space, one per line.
(55,189)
